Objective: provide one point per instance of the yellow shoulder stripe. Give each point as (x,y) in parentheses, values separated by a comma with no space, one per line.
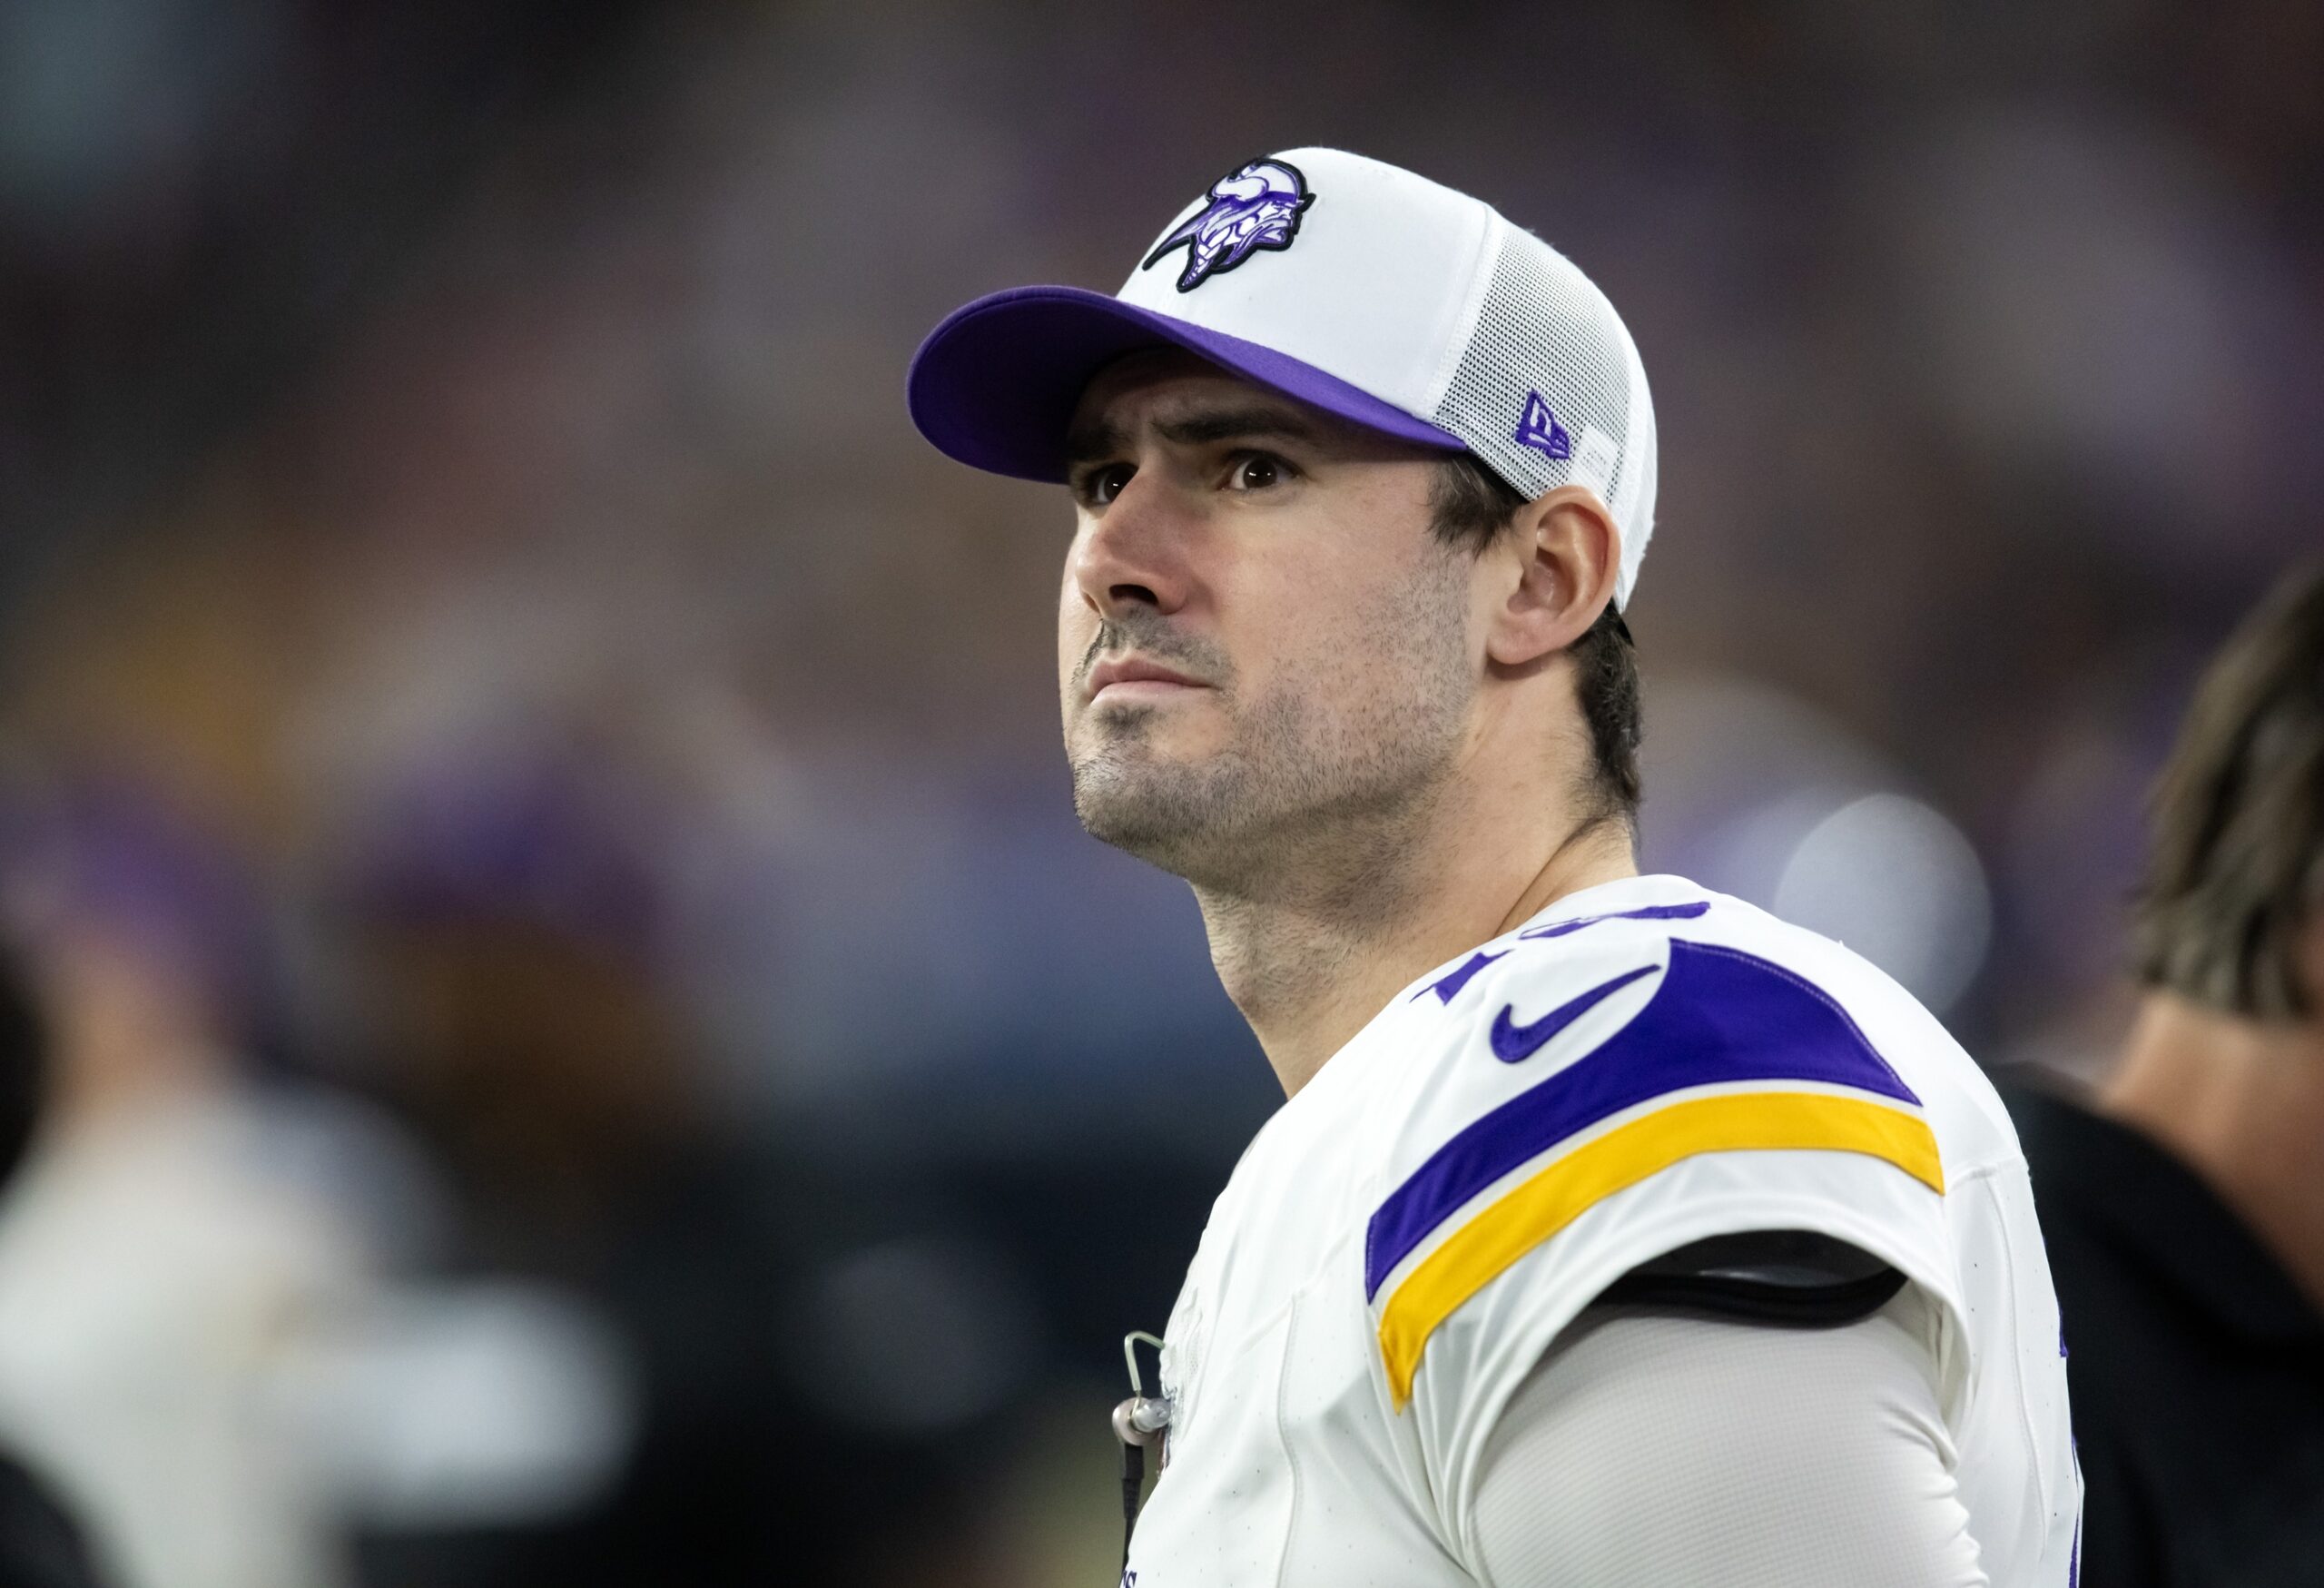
(1569,1185)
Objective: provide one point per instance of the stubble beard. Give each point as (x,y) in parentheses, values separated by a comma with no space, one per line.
(1308,797)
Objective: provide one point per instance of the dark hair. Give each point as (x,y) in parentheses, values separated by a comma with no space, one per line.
(2236,874)
(1471,506)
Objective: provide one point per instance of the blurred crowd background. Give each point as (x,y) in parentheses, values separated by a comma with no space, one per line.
(585,1043)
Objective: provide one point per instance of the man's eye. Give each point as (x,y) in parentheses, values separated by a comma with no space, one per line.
(1256,473)
(1100,486)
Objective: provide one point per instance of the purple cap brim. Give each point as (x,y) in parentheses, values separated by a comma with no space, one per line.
(995,385)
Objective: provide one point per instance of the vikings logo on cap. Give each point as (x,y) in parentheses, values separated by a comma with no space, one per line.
(1255,206)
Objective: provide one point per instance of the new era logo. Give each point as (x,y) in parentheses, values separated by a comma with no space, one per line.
(1539,429)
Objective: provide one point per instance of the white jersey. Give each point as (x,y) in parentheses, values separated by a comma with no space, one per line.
(1644,1065)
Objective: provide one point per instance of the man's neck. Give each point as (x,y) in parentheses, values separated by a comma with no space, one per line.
(2241,1103)
(1309,967)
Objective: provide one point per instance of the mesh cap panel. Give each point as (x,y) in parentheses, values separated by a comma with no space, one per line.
(1544,330)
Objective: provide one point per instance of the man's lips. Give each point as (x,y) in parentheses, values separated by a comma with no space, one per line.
(1150,677)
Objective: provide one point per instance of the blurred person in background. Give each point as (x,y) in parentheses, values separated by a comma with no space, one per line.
(156,1273)
(200,1336)
(39,1545)
(510,917)
(2183,1201)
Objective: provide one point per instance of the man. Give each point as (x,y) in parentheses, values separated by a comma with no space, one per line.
(2184,1203)
(1614,1232)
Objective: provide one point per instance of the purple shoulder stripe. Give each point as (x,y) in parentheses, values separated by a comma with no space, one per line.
(1719,1015)
(1448,986)
(1650,913)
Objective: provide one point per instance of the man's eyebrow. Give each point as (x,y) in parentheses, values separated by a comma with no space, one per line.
(1229,424)
(1092,442)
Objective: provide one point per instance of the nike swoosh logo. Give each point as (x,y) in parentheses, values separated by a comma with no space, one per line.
(1512,1042)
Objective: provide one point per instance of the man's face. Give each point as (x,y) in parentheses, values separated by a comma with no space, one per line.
(1261,646)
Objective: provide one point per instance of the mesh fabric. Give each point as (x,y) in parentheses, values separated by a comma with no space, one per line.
(1543,329)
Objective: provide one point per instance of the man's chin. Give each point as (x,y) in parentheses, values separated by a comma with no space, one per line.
(1159,814)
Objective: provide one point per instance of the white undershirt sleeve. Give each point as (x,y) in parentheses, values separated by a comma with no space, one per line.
(1651,1448)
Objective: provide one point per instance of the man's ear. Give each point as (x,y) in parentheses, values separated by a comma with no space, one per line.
(1567,553)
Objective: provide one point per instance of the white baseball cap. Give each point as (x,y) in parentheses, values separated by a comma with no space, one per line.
(1374,294)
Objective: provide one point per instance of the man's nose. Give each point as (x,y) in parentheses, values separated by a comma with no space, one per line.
(1136,554)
